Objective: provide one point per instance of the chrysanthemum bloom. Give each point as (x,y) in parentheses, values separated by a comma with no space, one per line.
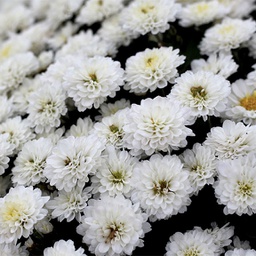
(203,92)
(90,81)
(192,242)
(237,243)
(15,69)
(68,205)
(81,128)
(161,186)
(144,16)
(115,175)
(44,226)
(236,185)
(221,63)
(12,249)
(152,69)
(201,163)
(112,31)
(94,10)
(111,128)
(241,252)
(242,102)
(232,140)
(46,106)
(95,46)
(18,130)
(221,236)
(72,160)
(201,12)
(113,226)
(156,124)
(227,35)
(20,210)
(30,162)
(64,248)
(6,150)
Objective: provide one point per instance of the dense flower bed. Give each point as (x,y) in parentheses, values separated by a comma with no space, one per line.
(127,127)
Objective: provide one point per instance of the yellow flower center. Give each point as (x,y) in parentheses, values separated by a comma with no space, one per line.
(245,188)
(227,29)
(198,92)
(249,101)
(13,212)
(202,7)
(5,51)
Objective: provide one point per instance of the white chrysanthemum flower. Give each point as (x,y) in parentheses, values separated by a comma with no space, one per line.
(237,243)
(20,210)
(242,102)
(68,205)
(236,185)
(61,10)
(232,140)
(152,69)
(95,10)
(220,63)
(108,109)
(30,162)
(15,69)
(239,8)
(144,16)
(157,124)
(192,242)
(90,81)
(112,31)
(6,150)
(201,12)
(72,160)
(18,130)
(62,35)
(201,163)
(241,252)
(203,92)
(161,186)
(115,175)
(113,226)
(64,248)
(81,128)
(221,236)
(227,35)
(14,45)
(12,249)
(18,18)
(95,46)
(46,106)
(111,128)
(20,95)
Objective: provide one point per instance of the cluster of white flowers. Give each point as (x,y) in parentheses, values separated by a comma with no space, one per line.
(111,121)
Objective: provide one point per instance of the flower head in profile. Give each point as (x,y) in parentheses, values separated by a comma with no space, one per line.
(229,34)
(72,160)
(20,210)
(64,248)
(231,140)
(161,186)
(240,252)
(152,69)
(235,187)
(90,81)
(201,163)
(30,162)
(203,92)
(115,175)
(113,226)
(157,124)
(144,16)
